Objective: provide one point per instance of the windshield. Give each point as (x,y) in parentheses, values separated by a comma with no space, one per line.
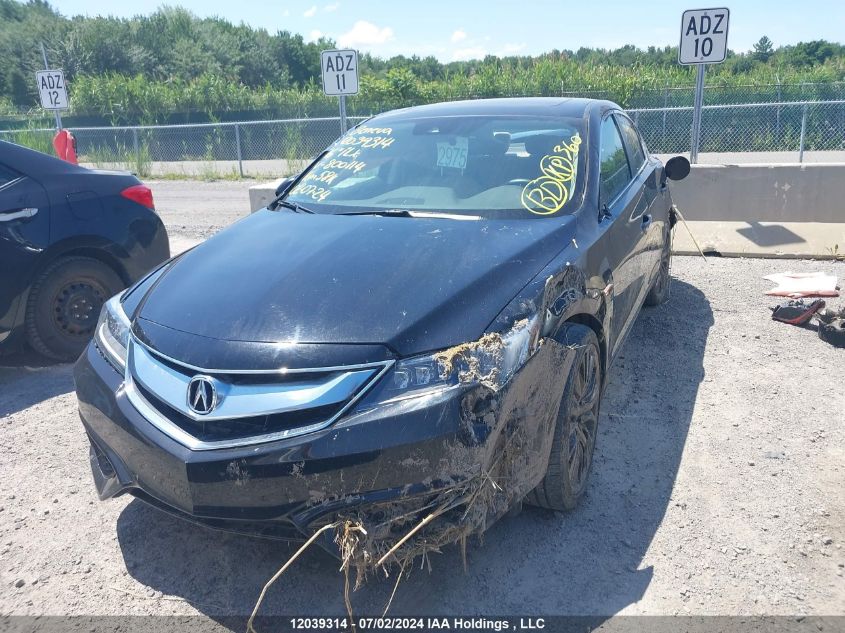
(488,166)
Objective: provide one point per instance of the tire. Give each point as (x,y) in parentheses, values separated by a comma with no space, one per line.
(65,303)
(659,291)
(575,428)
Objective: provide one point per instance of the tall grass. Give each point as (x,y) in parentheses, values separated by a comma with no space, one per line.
(119,99)
(32,137)
(119,156)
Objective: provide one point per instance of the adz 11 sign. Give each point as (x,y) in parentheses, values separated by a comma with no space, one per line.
(340,72)
(51,87)
(704,36)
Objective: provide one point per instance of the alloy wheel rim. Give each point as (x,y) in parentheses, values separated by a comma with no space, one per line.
(583,422)
(663,279)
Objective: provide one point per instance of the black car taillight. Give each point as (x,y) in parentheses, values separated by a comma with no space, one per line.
(141,194)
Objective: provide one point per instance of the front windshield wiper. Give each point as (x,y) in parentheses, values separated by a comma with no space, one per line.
(293,206)
(400,213)
(407,213)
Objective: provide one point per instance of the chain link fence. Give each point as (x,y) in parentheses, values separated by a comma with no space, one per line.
(639,97)
(749,132)
(773,132)
(250,148)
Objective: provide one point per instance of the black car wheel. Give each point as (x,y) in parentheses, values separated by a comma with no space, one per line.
(576,426)
(659,291)
(65,303)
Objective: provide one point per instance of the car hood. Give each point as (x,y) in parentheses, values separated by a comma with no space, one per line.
(412,284)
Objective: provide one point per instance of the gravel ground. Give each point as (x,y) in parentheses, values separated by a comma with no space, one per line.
(193,209)
(717,486)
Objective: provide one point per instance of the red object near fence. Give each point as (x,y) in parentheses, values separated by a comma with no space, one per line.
(65,145)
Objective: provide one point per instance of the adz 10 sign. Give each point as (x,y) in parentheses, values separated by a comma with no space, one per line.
(704,36)
(340,72)
(51,87)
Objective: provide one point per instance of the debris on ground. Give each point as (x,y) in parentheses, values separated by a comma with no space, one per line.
(362,552)
(796,311)
(797,285)
(832,326)
(673,219)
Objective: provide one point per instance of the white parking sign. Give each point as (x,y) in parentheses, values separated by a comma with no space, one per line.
(51,87)
(704,36)
(340,72)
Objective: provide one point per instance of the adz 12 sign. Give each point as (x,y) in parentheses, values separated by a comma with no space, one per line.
(340,72)
(51,87)
(704,36)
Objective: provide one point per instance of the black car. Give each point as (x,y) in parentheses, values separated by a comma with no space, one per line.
(421,325)
(70,238)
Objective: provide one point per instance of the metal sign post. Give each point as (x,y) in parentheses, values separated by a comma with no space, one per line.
(704,40)
(696,113)
(340,78)
(47,67)
(343,122)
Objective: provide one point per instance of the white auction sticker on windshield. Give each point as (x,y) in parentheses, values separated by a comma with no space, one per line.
(453,154)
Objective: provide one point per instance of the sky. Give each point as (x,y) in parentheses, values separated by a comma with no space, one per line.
(467,29)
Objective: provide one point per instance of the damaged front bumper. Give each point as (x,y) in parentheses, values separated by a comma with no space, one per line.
(384,465)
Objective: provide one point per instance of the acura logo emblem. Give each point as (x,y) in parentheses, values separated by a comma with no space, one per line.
(202,395)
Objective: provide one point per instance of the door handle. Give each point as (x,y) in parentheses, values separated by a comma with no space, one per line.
(646,222)
(18,214)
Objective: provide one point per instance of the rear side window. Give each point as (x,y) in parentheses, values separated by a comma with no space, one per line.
(614,172)
(6,175)
(633,143)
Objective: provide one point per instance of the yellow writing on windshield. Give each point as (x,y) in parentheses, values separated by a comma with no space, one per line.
(325,176)
(352,165)
(315,192)
(548,193)
(368,142)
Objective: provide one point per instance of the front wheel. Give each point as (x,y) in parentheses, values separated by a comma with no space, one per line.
(64,305)
(576,426)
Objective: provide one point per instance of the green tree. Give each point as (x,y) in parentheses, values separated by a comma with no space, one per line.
(763,49)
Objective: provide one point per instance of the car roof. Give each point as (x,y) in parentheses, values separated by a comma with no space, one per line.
(30,161)
(522,106)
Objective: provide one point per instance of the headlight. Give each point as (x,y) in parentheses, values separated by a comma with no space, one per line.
(490,361)
(112,335)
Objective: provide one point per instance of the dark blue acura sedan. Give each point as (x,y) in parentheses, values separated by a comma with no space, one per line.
(420,325)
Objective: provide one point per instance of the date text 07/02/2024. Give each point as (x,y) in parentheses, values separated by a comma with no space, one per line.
(411,623)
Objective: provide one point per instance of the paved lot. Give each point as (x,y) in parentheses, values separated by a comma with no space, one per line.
(717,488)
(194,210)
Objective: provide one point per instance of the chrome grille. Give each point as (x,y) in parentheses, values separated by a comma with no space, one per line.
(252,406)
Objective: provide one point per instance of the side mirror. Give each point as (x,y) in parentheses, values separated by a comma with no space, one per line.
(284,186)
(677,168)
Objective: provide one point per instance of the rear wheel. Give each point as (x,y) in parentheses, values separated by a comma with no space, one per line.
(65,303)
(576,426)
(659,291)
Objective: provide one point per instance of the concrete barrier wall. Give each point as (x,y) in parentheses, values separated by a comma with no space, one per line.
(261,195)
(746,210)
(763,193)
(763,210)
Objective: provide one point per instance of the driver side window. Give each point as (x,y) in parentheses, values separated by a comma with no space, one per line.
(636,155)
(614,171)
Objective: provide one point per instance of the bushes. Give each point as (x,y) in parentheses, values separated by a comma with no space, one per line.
(136,100)
(121,100)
